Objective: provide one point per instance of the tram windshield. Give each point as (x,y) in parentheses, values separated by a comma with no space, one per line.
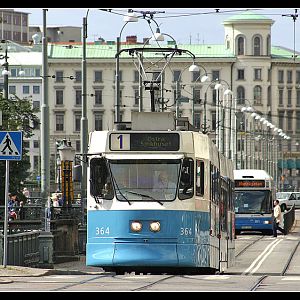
(145,179)
(253,202)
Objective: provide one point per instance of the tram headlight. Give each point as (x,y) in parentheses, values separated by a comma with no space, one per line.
(155,226)
(136,226)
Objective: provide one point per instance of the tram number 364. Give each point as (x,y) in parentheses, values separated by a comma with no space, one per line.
(102,230)
(185,231)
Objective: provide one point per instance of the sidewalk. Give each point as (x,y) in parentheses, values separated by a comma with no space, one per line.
(69,268)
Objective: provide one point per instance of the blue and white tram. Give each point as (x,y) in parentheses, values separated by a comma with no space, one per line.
(135,225)
(254,196)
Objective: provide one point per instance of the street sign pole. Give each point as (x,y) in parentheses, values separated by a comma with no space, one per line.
(10,149)
(6,214)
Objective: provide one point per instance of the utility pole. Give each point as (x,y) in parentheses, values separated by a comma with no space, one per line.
(45,157)
(84,121)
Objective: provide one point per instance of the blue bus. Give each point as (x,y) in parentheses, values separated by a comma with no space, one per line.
(254,196)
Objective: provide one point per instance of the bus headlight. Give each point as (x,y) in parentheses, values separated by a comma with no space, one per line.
(155,226)
(268,222)
(136,226)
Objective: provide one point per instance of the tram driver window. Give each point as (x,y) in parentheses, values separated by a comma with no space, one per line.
(186,184)
(100,180)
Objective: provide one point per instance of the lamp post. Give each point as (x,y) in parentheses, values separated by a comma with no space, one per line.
(84,120)
(67,153)
(45,155)
(192,68)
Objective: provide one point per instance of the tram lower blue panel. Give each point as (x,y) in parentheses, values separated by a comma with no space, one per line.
(182,241)
(253,223)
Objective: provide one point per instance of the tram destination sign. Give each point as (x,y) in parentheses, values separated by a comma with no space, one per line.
(144,142)
(249,183)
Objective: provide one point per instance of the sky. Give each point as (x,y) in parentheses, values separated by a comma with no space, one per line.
(193,25)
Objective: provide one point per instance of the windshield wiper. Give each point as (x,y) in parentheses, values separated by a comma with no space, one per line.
(144,195)
(120,190)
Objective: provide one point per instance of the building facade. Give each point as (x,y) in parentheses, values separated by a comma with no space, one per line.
(258,75)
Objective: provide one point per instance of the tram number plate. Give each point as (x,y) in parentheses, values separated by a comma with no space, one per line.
(246,227)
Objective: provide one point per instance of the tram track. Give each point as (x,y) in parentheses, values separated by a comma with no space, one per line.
(259,282)
(249,245)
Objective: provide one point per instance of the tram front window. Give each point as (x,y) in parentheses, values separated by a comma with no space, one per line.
(252,202)
(145,180)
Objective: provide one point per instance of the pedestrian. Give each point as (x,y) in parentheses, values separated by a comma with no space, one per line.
(21,211)
(26,192)
(277,219)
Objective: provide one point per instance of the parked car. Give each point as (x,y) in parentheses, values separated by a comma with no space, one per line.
(287,199)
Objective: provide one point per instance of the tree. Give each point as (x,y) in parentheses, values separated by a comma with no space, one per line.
(17,115)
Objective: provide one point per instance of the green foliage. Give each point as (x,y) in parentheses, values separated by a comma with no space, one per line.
(17,115)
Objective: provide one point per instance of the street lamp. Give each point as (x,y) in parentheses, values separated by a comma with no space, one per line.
(66,153)
(192,68)
(131,17)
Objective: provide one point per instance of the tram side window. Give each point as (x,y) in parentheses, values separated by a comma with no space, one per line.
(186,185)
(200,178)
(100,180)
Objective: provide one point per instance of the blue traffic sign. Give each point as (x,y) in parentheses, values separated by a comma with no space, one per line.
(11,145)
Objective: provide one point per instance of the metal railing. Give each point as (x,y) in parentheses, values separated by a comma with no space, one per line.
(288,219)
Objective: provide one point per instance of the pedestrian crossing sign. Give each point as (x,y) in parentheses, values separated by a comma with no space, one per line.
(11,145)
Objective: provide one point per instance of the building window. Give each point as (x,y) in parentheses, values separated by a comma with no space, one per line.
(297,77)
(77,122)
(78,97)
(280,76)
(197,96)
(195,76)
(36,104)
(257,74)
(77,146)
(269,96)
(289,121)
(26,144)
(36,89)
(36,144)
(289,97)
(59,122)
(25,89)
(289,76)
(280,97)
(298,121)
(12,89)
(98,76)
(59,76)
(36,159)
(98,122)
(281,119)
(98,97)
(78,76)
(136,97)
(240,74)
(298,97)
(257,46)
(213,121)
(257,94)
(197,120)
(241,46)
(136,76)
(240,91)
(59,97)
(215,75)
(176,75)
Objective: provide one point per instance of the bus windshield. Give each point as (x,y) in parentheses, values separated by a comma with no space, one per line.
(145,179)
(252,202)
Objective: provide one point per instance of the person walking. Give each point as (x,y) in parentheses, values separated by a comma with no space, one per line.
(277,219)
